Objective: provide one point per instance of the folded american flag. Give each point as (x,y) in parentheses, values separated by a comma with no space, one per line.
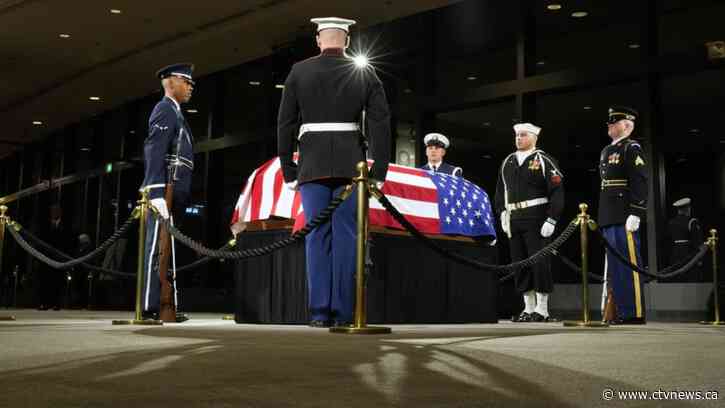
(434,203)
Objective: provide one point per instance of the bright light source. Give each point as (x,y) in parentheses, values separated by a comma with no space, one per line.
(109,167)
(37,123)
(192,111)
(361,61)
(85,149)
(579,14)
(255,83)
(633,46)
(279,86)
(64,35)
(554,6)
(115,11)
(587,108)
(540,63)
(95,98)
(471,77)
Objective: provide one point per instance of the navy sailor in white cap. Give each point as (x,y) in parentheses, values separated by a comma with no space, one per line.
(436,146)
(530,199)
(320,113)
(686,237)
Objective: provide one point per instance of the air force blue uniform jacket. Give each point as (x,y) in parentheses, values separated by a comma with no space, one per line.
(168,151)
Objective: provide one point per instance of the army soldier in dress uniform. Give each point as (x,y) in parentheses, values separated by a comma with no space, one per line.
(435,149)
(322,105)
(686,237)
(530,199)
(168,164)
(622,205)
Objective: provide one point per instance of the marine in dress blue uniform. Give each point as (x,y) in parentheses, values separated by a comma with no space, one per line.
(320,113)
(436,146)
(622,206)
(168,159)
(530,200)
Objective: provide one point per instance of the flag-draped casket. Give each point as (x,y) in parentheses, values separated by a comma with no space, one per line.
(434,203)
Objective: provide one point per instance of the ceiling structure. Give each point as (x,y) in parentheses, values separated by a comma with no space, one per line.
(66,61)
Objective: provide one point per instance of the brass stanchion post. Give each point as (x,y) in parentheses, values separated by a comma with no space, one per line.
(712,243)
(142,212)
(3,222)
(363,195)
(584,225)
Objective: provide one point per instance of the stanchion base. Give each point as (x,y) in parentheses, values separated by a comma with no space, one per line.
(581,323)
(228,317)
(145,322)
(7,318)
(360,330)
(718,323)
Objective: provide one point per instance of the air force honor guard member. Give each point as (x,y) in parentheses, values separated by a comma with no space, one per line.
(168,164)
(435,149)
(530,199)
(321,109)
(622,205)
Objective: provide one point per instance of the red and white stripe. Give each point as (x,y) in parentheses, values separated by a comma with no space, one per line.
(411,191)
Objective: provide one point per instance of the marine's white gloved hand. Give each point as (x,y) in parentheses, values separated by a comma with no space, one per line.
(505,221)
(632,223)
(548,228)
(378,184)
(292,185)
(160,205)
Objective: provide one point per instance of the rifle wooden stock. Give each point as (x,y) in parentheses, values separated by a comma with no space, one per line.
(167,308)
(610,308)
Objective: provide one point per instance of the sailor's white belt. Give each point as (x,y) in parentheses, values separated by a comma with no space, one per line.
(528,203)
(682,241)
(328,127)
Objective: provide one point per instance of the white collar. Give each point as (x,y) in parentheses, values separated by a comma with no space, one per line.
(435,166)
(522,155)
(178,107)
(615,141)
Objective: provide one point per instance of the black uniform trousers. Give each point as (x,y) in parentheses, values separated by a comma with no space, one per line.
(525,241)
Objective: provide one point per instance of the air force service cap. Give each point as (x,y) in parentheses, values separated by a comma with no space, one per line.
(436,139)
(323,23)
(617,113)
(183,70)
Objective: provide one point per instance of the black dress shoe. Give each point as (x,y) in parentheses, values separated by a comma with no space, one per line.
(149,315)
(319,323)
(181,317)
(632,320)
(341,323)
(522,318)
(539,318)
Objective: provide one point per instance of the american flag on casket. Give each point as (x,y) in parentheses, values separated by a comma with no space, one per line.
(434,203)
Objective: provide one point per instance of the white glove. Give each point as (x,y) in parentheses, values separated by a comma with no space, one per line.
(632,223)
(505,222)
(378,184)
(160,205)
(292,185)
(547,229)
